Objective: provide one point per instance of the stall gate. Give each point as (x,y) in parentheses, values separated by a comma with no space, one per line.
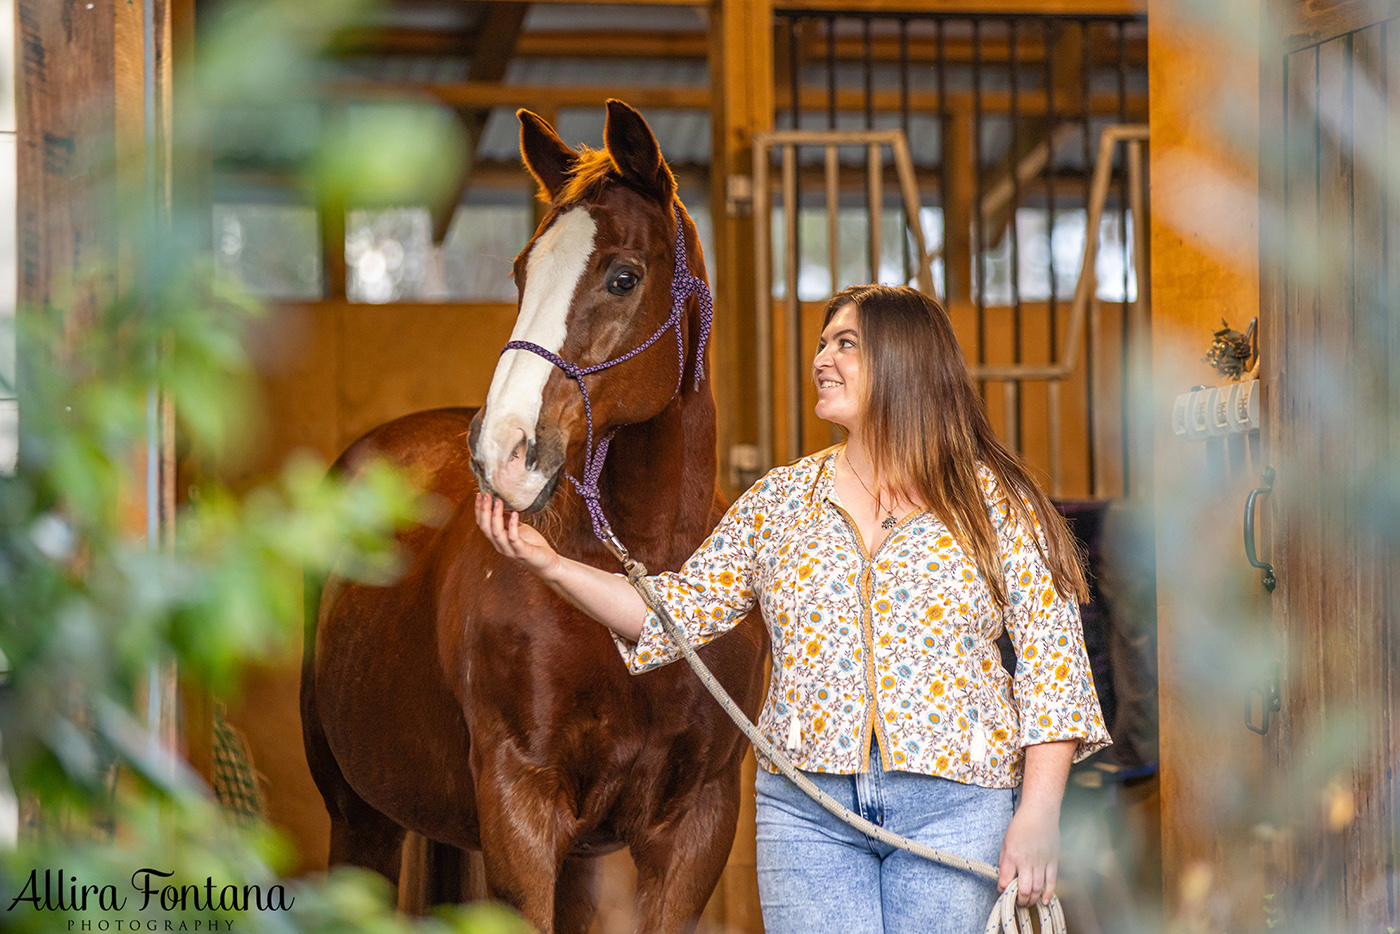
(979,158)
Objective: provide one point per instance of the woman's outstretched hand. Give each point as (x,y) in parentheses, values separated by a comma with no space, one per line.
(514,539)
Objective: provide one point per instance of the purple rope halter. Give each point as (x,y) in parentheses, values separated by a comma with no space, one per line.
(683,285)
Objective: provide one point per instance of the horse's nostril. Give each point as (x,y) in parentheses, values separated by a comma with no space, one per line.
(530,459)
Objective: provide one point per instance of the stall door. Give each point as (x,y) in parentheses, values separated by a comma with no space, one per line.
(1329,325)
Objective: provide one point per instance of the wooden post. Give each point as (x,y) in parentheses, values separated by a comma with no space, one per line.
(1211,859)
(741,76)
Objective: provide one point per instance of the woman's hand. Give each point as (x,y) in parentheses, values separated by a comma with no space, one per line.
(1030,853)
(514,540)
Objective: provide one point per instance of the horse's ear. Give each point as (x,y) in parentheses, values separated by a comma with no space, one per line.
(547,156)
(633,147)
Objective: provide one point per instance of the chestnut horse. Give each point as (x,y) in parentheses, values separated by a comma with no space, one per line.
(469,703)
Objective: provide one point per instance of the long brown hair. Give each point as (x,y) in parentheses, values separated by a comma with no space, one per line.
(926,432)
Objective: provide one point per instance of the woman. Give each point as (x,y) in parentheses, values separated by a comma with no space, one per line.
(886,568)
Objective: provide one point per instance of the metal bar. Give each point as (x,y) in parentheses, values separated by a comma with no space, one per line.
(943,128)
(1011,395)
(1055,436)
(978,221)
(1091,234)
(904,125)
(833,208)
(868,61)
(794,72)
(831,72)
(875,197)
(763,301)
(833,164)
(792,201)
(1051,134)
(873,162)
(1124,335)
(792,321)
(1013,398)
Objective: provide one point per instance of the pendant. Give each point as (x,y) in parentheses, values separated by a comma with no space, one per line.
(889,523)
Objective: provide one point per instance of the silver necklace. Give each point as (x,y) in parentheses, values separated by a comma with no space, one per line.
(889,521)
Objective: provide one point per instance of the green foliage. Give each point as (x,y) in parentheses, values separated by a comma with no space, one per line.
(92,605)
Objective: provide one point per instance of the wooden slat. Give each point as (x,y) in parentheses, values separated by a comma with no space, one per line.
(1300,598)
(1372,831)
(1310,22)
(1389,271)
(1336,853)
(534,96)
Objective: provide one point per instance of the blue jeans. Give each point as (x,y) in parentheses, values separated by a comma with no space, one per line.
(816,874)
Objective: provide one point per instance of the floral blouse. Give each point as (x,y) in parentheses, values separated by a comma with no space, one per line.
(898,646)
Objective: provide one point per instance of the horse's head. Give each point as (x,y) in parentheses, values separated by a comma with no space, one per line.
(595,283)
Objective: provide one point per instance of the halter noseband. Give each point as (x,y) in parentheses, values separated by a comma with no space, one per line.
(683,285)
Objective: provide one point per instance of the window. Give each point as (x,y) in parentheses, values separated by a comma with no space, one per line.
(390,256)
(273,250)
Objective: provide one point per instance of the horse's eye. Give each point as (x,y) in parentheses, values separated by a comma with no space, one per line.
(623,282)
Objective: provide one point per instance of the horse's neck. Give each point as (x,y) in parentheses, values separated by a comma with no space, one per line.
(659,482)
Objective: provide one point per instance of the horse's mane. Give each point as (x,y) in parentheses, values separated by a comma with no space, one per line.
(591,169)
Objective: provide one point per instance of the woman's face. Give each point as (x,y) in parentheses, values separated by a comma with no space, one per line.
(836,370)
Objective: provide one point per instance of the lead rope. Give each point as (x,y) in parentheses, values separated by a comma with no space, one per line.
(1006,915)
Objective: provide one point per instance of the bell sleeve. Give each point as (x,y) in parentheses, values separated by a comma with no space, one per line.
(713,590)
(1053,686)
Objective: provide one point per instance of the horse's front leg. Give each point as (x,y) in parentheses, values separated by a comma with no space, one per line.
(680,859)
(526,831)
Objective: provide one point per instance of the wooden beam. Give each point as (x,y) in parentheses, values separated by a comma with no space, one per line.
(491,54)
(485,94)
(691,46)
(482,94)
(1308,22)
(741,76)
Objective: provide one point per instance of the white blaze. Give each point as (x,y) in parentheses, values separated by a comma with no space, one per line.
(552,273)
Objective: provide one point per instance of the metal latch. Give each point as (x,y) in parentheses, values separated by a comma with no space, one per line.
(1270,703)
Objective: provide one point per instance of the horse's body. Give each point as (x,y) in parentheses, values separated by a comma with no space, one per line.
(469,703)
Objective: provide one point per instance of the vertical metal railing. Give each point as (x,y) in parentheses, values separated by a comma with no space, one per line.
(1004,115)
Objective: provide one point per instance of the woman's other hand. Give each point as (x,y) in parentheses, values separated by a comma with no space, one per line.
(1030,854)
(514,539)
